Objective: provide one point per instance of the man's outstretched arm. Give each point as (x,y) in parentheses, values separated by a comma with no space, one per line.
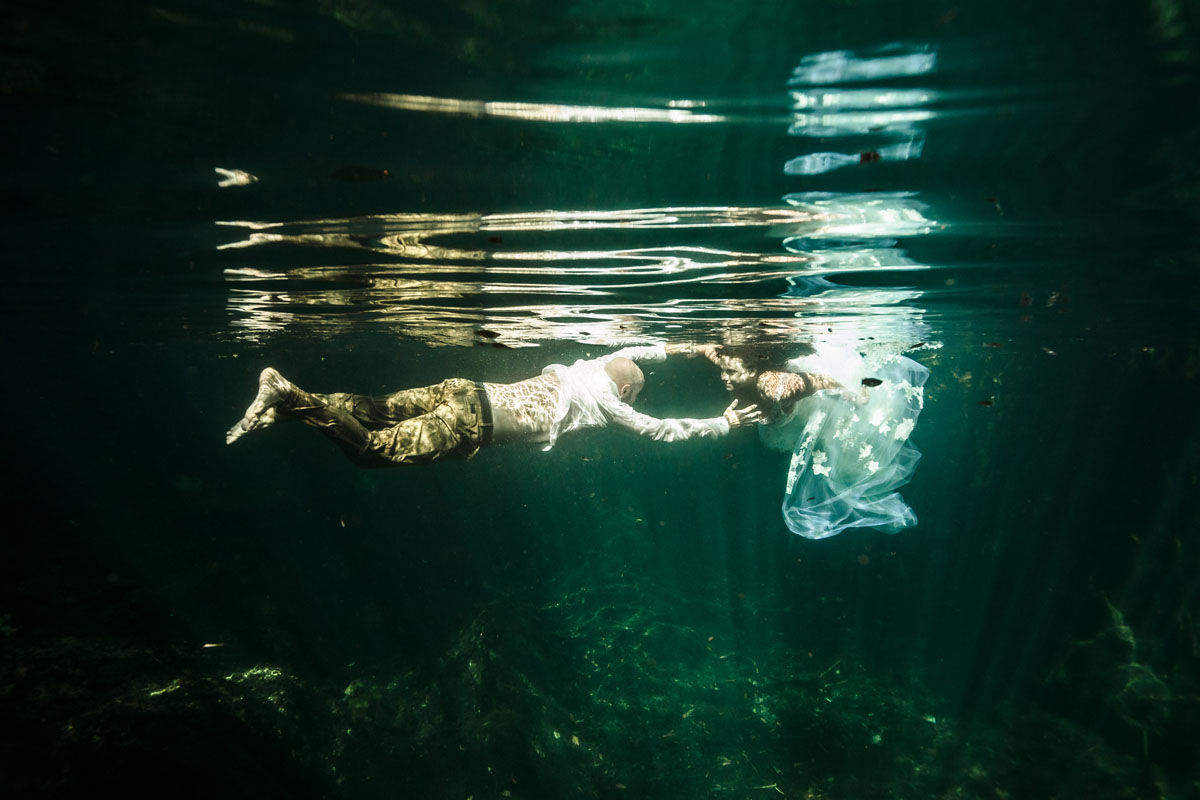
(654,352)
(710,351)
(681,349)
(675,430)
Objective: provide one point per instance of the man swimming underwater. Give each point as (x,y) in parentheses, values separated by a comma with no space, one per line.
(457,417)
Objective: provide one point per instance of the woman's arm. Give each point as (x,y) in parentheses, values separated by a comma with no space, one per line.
(787,387)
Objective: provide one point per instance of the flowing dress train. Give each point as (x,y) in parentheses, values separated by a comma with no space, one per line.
(851,448)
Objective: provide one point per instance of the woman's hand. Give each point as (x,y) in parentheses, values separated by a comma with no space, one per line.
(740,417)
(709,351)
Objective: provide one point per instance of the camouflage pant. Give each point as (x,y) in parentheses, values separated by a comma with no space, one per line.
(450,420)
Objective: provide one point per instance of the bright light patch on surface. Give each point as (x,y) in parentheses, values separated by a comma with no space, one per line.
(677,111)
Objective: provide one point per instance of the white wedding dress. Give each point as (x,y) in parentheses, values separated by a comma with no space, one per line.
(851,448)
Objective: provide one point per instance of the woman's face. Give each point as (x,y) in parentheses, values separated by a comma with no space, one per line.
(735,374)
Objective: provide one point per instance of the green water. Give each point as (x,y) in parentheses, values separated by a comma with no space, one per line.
(615,617)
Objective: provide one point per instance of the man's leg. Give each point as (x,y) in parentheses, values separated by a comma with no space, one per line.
(381,411)
(449,430)
(421,440)
(274,391)
(276,395)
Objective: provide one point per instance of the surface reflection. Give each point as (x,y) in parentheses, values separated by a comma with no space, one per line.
(893,60)
(811,264)
(887,119)
(578,275)
(676,111)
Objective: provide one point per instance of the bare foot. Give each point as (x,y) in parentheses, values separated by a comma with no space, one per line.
(273,390)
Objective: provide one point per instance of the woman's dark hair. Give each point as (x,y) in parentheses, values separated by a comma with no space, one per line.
(764,356)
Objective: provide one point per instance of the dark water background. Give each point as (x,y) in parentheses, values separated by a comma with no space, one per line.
(614,618)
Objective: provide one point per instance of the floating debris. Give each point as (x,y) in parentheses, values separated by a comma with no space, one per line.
(234,177)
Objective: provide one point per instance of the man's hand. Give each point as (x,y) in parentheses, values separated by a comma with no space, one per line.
(739,417)
(709,351)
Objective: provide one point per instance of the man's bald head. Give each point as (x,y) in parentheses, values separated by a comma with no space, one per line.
(627,376)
